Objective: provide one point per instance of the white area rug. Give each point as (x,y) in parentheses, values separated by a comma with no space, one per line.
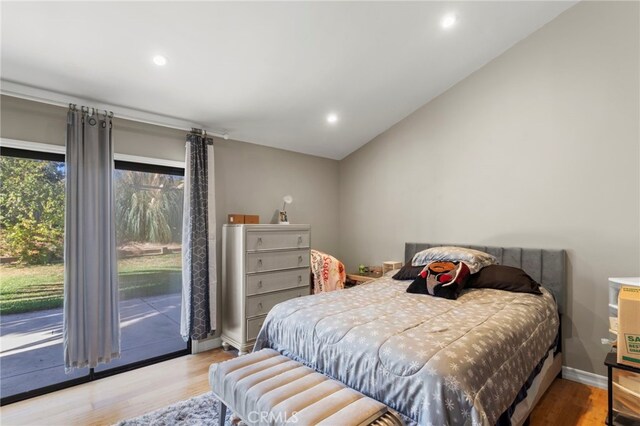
(197,411)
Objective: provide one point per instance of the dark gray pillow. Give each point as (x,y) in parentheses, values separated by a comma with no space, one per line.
(502,277)
(408,272)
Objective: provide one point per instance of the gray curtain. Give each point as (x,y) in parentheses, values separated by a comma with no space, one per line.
(91,324)
(198,241)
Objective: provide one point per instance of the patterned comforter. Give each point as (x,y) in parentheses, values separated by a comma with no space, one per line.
(436,361)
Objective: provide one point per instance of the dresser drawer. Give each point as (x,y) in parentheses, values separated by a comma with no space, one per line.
(254,325)
(276,260)
(274,281)
(261,304)
(274,240)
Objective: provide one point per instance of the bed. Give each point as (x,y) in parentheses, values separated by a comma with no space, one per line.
(485,358)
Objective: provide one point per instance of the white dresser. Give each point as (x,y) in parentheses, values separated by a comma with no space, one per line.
(262,265)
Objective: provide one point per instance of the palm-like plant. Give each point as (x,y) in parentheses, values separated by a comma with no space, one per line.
(148,206)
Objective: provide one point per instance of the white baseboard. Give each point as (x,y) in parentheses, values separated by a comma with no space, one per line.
(205,344)
(584,377)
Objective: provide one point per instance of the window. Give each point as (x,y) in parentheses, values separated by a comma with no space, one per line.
(149,234)
(31,272)
(149,223)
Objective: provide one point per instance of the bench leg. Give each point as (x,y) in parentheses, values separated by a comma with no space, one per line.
(222,413)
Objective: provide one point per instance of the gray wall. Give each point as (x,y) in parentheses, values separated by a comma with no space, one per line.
(539,148)
(249,178)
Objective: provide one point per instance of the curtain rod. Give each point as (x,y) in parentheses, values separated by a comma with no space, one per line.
(203,133)
(90,110)
(18,90)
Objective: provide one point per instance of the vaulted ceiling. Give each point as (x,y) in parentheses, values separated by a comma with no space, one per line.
(268,72)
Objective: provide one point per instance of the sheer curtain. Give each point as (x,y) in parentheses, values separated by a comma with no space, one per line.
(91,324)
(198,315)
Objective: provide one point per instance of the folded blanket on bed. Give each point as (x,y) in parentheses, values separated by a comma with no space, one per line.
(328,272)
(441,279)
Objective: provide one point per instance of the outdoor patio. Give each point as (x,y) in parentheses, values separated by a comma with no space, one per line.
(31,351)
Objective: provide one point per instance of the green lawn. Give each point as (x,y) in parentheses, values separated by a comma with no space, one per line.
(32,288)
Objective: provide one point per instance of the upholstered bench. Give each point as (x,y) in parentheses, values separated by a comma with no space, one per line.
(265,387)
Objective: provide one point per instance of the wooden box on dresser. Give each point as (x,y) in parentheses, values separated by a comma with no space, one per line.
(262,265)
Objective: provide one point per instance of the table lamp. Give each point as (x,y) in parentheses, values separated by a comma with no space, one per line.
(283,218)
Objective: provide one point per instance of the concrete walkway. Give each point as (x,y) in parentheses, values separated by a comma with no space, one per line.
(31,354)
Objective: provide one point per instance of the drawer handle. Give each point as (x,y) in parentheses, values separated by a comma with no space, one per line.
(259,241)
(299,259)
(299,278)
(260,305)
(259,262)
(260,283)
(299,239)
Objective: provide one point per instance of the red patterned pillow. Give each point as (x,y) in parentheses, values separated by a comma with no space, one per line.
(441,279)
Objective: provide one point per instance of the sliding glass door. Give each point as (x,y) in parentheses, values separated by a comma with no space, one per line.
(149,232)
(149,222)
(31,272)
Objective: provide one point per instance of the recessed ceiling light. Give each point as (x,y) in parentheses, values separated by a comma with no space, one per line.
(332,118)
(159,60)
(448,20)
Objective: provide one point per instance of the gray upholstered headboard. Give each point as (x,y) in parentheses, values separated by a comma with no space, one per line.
(545,266)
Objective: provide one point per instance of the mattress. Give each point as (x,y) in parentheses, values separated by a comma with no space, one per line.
(436,361)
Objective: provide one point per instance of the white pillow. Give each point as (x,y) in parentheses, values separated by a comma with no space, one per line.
(474,259)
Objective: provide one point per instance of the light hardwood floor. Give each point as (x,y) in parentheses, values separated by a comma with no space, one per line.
(571,403)
(131,394)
